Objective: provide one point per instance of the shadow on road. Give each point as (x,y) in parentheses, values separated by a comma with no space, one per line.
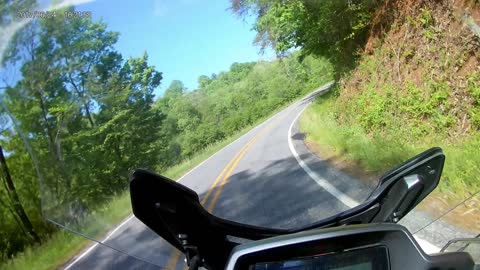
(299,136)
(279,195)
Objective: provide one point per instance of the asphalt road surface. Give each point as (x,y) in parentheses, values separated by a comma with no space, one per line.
(266,177)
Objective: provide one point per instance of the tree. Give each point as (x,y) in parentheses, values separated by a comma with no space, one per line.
(80,47)
(88,117)
(333,29)
(174,90)
(203,81)
(18,210)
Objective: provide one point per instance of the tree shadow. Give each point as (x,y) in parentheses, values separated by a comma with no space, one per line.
(280,195)
(299,136)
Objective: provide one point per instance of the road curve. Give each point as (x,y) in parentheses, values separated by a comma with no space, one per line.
(257,180)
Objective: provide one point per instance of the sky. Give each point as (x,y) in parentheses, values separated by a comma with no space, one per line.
(184,38)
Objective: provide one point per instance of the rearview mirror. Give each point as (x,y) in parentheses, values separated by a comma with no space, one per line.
(409,183)
(397,193)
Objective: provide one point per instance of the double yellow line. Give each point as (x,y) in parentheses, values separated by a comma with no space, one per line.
(224,175)
(227,172)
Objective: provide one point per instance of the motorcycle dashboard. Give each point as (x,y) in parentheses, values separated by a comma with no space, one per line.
(370,258)
(353,247)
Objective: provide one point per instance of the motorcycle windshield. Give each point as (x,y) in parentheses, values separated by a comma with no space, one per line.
(57,140)
(77,117)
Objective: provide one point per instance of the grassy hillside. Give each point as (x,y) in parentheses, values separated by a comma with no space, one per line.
(417,85)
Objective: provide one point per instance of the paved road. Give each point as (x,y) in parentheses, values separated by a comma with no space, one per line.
(267,178)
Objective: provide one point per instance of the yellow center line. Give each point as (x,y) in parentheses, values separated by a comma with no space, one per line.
(219,190)
(232,168)
(172,262)
(223,171)
(246,146)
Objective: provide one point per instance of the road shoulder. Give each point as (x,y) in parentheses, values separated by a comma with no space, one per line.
(429,237)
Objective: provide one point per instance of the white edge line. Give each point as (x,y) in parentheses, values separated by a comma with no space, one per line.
(344,198)
(426,246)
(96,243)
(90,249)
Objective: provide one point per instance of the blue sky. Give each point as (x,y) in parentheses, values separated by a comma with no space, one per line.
(184,39)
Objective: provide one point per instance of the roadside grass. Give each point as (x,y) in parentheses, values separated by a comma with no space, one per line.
(46,256)
(351,141)
(63,245)
(379,153)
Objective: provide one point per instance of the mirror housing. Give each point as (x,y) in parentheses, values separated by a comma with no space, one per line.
(409,184)
(397,193)
(470,245)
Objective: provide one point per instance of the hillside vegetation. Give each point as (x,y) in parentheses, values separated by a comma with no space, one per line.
(416,86)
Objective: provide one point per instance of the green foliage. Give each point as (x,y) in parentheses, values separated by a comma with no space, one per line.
(429,34)
(407,97)
(475,115)
(376,153)
(425,17)
(332,29)
(474,90)
(62,245)
(378,108)
(46,257)
(379,152)
(381,122)
(226,103)
(10,8)
(89,119)
(374,107)
(424,21)
(473,87)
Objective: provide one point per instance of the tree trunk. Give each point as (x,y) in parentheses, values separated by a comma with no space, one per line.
(85,104)
(89,116)
(54,150)
(17,205)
